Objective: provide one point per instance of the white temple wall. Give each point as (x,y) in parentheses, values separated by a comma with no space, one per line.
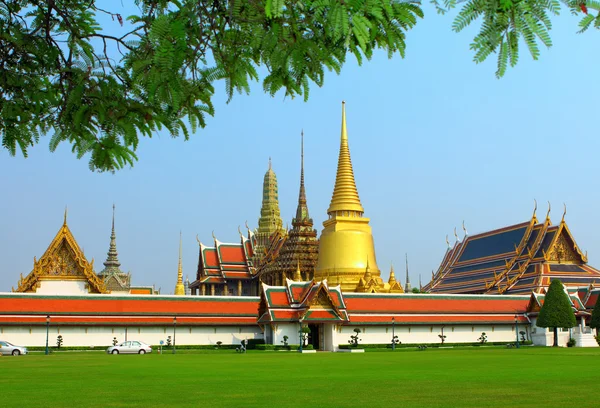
(102,336)
(333,336)
(63,287)
(427,334)
(288,329)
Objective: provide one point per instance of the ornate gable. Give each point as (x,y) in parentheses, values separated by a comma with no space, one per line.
(563,248)
(63,260)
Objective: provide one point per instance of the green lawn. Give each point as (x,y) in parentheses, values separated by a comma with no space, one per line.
(468,377)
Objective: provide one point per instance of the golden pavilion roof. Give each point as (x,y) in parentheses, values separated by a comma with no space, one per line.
(63,260)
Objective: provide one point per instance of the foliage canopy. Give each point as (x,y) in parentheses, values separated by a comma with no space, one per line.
(66,75)
(557,310)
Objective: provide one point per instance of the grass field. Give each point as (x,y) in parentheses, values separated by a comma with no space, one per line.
(474,377)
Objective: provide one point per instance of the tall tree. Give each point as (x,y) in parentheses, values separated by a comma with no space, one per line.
(557,310)
(595,322)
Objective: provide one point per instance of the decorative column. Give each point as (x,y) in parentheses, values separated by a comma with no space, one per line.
(203,286)
(212,289)
(226,290)
(239,292)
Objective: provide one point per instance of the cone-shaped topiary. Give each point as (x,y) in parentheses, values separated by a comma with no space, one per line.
(595,323)
(556,311)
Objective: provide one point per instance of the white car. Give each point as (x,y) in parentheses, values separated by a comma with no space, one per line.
(130,347)
(9,348)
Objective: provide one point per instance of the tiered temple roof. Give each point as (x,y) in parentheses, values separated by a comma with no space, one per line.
(293,255)
(310,302)
(517,259)
(314,302)
(225,263)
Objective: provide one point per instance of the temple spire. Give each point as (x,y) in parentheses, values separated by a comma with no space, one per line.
(407,286)
(112,260)
(65,219)
(345,195)
(270,215)
(179,288)
(302,210)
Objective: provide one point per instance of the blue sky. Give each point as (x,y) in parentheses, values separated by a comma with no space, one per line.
(435,139)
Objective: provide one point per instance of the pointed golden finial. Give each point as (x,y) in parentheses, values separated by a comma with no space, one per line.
(368,274)
(270,167)
(345,195)
(298,274)
(392,279)
(548,213)
(455,235)
(564,213)
(534,207)
(464,228)
(179,288)
(65,219)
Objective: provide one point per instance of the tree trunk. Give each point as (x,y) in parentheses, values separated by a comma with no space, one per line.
(555,337)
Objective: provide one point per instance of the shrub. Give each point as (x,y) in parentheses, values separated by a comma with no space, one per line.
(354,338)
(572,342)
(169,341)
(432,345)
(556,311)
(442,338)
(59,341)
(483,338)
(252,343)
(522,333)
(115,341)
(598,339)
(595,321)
(285,341)
(218,343)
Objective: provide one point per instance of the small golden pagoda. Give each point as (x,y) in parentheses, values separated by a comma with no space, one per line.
(346,247)
(63,269)
(179,287)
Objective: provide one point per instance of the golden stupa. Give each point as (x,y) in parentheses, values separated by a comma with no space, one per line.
(346,248)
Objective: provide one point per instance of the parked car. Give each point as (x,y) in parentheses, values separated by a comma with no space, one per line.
(9,348)
(132,347)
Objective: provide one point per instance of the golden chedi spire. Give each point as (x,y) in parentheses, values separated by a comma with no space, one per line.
(179,288)
(345,195)
(346,242)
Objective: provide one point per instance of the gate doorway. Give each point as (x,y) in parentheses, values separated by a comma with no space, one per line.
(315,337)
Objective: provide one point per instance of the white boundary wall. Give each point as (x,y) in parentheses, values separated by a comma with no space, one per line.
(102,336)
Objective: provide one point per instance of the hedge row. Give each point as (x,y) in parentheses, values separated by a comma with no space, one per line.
(278,347)
(252,343)
(408,345)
